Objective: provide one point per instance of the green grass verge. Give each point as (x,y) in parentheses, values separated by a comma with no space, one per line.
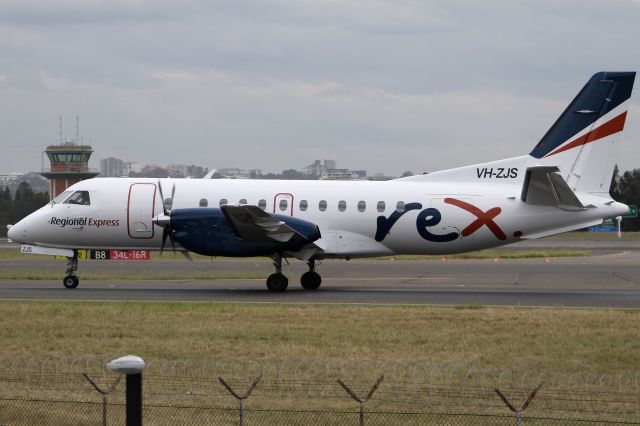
(501,254)
(595,236)
(314,344)
(466,336)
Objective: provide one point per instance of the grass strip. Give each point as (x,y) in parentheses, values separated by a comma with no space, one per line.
(540,339)
(501,254)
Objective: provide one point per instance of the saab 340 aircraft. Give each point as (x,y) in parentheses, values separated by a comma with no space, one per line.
(561,185)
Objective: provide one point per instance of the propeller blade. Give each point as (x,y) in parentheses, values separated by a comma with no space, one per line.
(165,233)
(187,256)
(164,210)
(165,220)
(173,242)
(173,193)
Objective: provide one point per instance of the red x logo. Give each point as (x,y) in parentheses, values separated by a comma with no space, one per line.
(483,218)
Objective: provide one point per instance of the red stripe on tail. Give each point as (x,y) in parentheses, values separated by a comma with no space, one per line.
(612,126)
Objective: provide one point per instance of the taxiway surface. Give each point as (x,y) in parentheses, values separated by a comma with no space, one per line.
(608,279)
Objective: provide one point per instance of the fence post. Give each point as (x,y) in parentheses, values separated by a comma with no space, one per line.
(132,366)
(242,397)
(362,401)
(104,394)
(518,410)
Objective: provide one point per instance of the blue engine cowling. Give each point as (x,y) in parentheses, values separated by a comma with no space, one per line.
(207,231)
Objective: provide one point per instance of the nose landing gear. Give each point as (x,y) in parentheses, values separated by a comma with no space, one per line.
(71,280)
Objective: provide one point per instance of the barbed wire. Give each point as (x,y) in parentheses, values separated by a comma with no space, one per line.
(406,383)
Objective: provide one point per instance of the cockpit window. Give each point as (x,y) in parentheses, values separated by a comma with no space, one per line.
(79,197)
(61,197)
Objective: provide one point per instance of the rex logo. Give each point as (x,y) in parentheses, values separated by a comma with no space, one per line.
(431,216)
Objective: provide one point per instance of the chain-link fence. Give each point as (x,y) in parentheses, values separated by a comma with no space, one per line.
(55,391)
(73,413)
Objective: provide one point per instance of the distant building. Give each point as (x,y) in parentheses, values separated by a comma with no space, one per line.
(233,173)
(131,168)
(315,169)
(329,165)
(6,178)
(194,171)
(320,167)
(255,174)
(177,170)
(153,171)
(337,174)
(186,171)
(380,176)
(112,167)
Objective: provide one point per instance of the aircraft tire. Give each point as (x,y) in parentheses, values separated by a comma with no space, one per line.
(277,283)
(71,281)
(310,280)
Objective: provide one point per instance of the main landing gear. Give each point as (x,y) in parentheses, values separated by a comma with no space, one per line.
(311,280)
(278,282)
(71,280)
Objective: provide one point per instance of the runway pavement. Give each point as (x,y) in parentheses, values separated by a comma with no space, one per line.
(611,279)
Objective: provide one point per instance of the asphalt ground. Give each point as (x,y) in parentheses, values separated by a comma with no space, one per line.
(609,278)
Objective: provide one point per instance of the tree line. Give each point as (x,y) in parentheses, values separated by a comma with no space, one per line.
(625,188)
(23,202)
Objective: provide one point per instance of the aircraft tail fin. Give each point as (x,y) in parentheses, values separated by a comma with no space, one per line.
(583,142)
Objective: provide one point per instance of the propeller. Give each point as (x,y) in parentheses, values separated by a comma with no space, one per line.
(164,219)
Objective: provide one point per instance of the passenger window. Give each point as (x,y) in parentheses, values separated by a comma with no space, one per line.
(223,202)
(342,205)
(400,206)
(322,205)
(283,205)
(381,206)
(303,205)
(362,206)
(242,201)
(79,197)
(262,204)
(203,202)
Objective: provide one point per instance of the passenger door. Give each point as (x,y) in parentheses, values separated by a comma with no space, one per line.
(141,210)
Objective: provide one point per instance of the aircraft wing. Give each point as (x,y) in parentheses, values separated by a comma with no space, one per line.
(251,223)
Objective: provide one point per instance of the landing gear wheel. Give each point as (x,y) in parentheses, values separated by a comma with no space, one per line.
(310,280)
(277,283)
(71,281)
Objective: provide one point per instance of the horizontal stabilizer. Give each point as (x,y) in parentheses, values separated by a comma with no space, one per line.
(543,186)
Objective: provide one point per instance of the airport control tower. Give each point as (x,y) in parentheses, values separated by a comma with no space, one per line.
(69,164)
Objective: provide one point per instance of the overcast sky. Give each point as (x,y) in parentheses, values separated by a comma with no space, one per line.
(386,86)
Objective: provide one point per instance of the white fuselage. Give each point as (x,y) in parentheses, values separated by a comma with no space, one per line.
(355,218)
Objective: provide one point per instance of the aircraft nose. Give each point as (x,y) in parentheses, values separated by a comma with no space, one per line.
(18,232)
